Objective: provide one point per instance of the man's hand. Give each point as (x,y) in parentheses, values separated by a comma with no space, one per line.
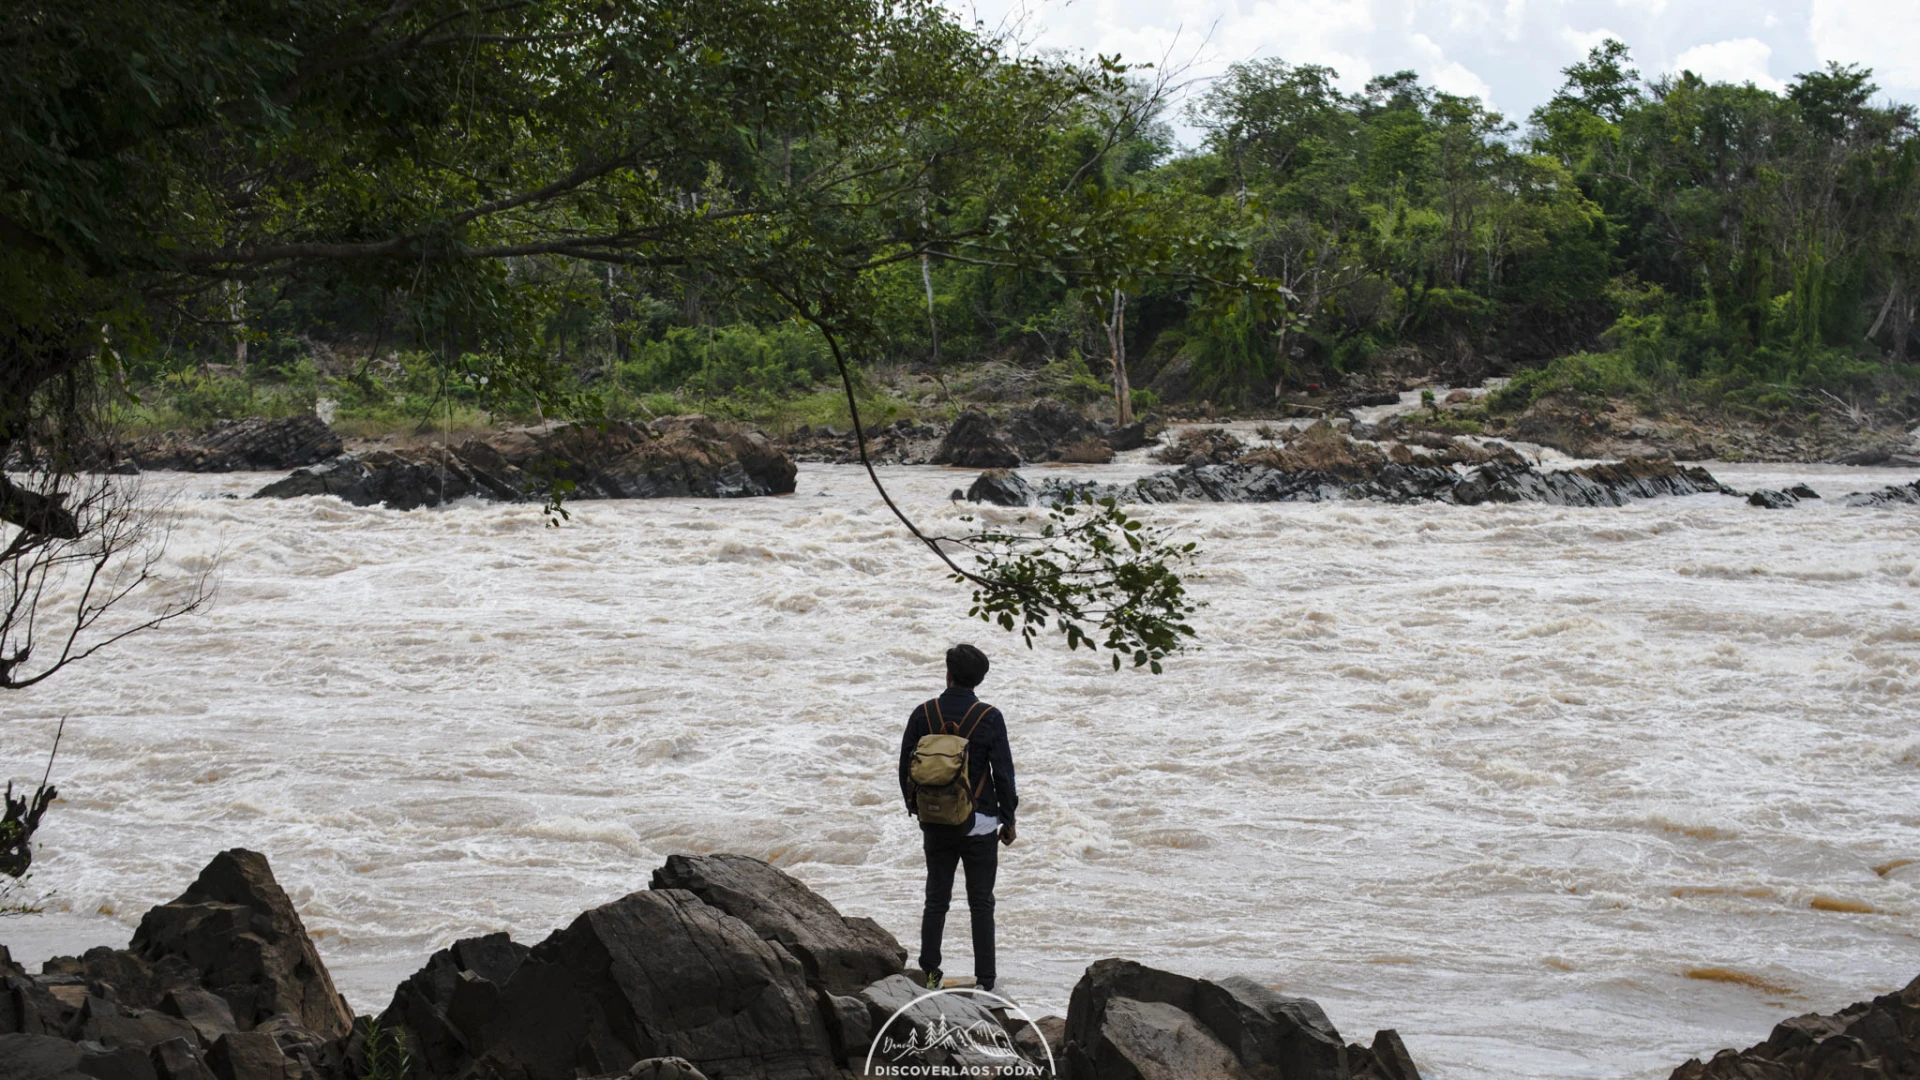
(1006,834)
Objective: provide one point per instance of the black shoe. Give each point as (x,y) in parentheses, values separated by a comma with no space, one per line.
(984,984)
(933,980)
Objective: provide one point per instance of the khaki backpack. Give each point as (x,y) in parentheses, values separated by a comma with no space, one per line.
(942,792)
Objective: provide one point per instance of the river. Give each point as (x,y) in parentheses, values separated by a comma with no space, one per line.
(1498,777)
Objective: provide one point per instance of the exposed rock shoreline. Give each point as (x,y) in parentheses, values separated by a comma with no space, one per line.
(691,456)
(725,968)
(1322,463)
(680,456)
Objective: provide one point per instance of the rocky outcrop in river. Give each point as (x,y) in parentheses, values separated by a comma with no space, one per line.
(1894,495)
(1321,463)
(679,456)
(252,445)
(1047,430)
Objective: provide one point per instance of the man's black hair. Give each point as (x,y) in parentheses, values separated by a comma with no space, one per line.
(966,666)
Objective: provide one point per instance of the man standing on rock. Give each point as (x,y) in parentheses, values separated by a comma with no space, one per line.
(956,774)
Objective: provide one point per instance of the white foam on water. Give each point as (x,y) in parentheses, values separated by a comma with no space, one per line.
(1498,777)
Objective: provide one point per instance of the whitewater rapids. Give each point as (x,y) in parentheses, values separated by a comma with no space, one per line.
(1500,777)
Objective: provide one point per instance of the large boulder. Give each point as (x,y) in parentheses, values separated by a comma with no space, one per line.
(39,1057)
(407,480)
(123,975)
(1322,449)
(1503,478)
(240,446)
(458,991)
(1386,1059)
(1127,1021)
(653,974)
(236,929)
(677,456)
(1893,495)
(954,1030)
(975,442)
(1201,446)
(1001,487)
(839,953)
(1043,430)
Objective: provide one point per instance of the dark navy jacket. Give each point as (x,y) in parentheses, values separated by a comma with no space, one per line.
(987,754)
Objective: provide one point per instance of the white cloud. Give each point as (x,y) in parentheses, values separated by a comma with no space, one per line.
(1740,60)
(1509,51)
(1583,41)
(1882,36)
(1450,76)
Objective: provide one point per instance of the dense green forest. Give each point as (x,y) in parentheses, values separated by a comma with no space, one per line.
(660,210)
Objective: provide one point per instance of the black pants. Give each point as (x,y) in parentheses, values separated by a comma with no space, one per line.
(981,856)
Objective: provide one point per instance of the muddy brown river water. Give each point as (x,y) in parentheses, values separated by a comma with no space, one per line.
(1500,777)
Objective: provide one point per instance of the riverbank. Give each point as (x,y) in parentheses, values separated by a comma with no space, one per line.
(724,967)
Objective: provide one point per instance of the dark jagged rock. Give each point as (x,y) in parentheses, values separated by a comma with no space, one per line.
(1386,1059)
(128,977)
(456,992)
(1045,1038)
(207,1013)
(1323,449)
(901,1010)
(1040,431)
(178,1059)
(1768,499)
(849,1026)
(902,442)
(1895,495)
(401,481)
(1129,436)
(1045,431)
(1201,446)
(1087,451)
(680,456)
(247,1055)
(1877,1038)
(113,1025)
(1498,481)
(1128,1020)
(237,930)
(654,974)
(1001,487)
(39,1057)
(975,442)
(840,954)
(240,446)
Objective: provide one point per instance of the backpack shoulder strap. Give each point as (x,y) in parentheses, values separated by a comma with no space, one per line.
(970,722)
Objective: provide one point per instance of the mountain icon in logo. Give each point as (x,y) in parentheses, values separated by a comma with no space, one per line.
(981,1037)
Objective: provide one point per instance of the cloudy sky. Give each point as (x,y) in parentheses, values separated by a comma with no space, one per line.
(1507,52)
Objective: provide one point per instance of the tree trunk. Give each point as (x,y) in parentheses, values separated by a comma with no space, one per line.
(1117,344)
(237,311)
(1902,329)
(933,328)
(1280,362)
